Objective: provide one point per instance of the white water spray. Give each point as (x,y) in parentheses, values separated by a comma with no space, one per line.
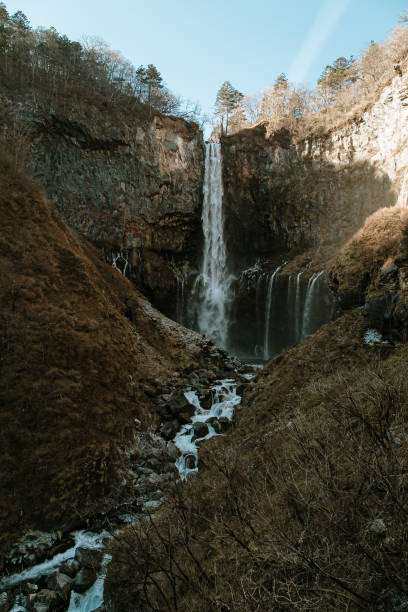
(225,398)
(214,282)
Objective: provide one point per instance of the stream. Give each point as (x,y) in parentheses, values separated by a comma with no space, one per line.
(188,440)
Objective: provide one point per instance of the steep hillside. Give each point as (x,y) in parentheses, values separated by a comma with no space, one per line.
(82,355)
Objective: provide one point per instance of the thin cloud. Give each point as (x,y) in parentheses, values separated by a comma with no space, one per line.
(324,25)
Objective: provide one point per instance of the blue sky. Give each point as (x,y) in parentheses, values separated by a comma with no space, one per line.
(197,45)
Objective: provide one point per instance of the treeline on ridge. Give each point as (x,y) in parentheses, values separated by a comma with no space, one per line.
(57,71)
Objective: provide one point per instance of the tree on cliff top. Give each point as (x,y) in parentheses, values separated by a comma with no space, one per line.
(226,102)
(339,74)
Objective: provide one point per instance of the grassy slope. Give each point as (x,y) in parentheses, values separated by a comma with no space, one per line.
(80,352)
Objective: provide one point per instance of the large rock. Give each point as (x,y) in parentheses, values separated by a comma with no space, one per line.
(46,600)
(61,583)
(84,579)
(89,557)
(5,602)
(200,429)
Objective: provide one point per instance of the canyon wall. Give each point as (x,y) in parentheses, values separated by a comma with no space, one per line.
(132,184)
(282,195)
(294,204)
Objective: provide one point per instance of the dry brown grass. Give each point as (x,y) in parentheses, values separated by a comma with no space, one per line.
(73,335)
(283,513)
(377,242)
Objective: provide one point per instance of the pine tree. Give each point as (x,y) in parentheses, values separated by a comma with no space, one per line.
(339,74)
(226,102)
(153,80)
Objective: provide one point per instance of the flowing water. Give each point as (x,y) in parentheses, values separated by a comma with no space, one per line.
(225,398)
(266,351)
(213,287)
(311,298)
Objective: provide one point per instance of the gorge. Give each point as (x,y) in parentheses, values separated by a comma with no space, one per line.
(203,359)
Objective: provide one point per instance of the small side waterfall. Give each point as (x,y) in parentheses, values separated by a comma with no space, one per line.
(309,303)
(213,286)
(298,308)
(268,312)
(180,300)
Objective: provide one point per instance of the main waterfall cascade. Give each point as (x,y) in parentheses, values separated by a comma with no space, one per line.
(263,311)
(212,290)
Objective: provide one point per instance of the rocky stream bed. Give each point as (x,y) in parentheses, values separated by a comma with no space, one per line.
(47,572)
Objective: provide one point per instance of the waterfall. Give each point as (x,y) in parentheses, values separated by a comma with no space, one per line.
(297,308)
(180,300)
(307,313)
(214,283)
(268,312)
(258,347)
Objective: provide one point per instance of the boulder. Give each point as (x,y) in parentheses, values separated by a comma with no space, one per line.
(213,421)
(169,429)
(225,423)
(190,462)
(89,557)
(84,579)
(5,602)
(45,600)
(70,567)
(172,451)
(200,429)
(61,583)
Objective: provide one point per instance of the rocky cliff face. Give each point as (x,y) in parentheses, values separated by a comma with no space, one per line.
(281,195)
(132,185)
(297,202)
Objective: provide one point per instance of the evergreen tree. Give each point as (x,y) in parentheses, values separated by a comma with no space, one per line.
(339,74)
(281,83)
(226,102)
(153,80)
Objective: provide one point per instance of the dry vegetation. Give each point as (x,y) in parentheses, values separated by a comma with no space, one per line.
(345,91)
(304,507)
(374,259)
(80,352)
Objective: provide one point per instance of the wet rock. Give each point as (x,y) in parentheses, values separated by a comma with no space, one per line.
(169,429)
(84,579)
(190,462)
(206,400)
(45,600)
(89,557)
(200,429)
(70,567)
(30,588)
(32,548)
(225,423)
(172,451)
(213,421)
(61,583)
(5,602)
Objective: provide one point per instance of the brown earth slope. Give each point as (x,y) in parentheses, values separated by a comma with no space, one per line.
(80,352)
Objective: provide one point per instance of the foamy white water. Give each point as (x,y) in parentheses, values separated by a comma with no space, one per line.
(225,398)
(213,288)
